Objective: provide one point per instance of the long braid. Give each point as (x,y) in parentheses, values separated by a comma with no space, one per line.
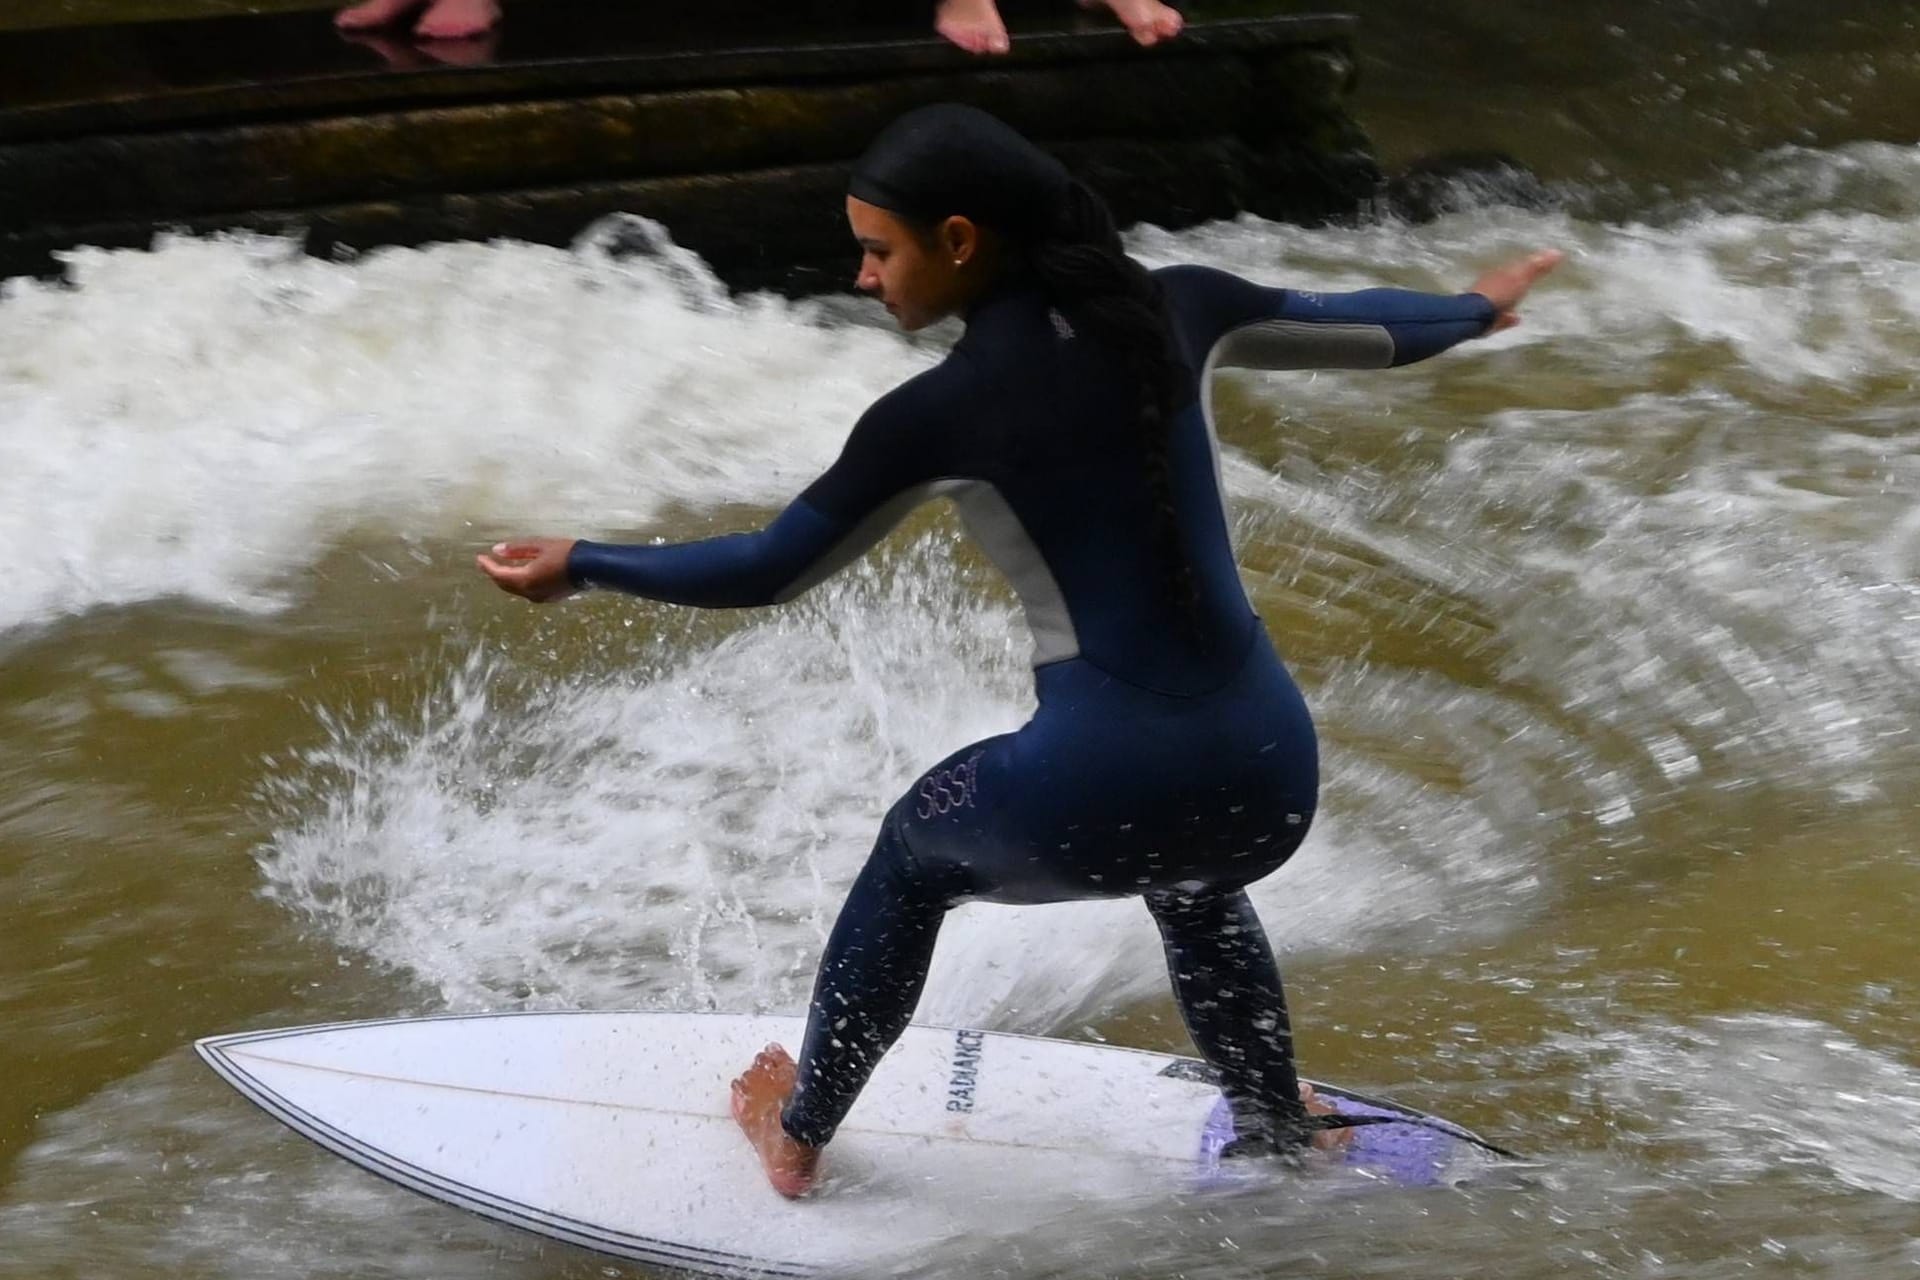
(1113,300)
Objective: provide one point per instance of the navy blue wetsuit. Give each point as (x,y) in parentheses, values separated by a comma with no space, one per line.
(1170,755)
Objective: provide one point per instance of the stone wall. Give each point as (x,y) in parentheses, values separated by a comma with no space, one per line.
(729,128)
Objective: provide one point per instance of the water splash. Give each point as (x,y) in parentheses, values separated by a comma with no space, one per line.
(678,829)
(205,419)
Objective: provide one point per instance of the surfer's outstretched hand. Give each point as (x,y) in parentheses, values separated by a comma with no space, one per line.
(1504,286)
(532,568)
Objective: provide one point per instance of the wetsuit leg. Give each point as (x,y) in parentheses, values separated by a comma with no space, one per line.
(1109,791)
(1228,989)
(870,980)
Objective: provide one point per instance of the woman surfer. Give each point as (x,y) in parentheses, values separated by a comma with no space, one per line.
(1170,756)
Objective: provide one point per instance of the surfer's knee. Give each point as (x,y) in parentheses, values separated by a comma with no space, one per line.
(1196,905)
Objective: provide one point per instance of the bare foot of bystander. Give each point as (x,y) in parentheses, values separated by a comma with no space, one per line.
(974,25)
(1149,20)
(1326,1139)
(443,19)
(457,19)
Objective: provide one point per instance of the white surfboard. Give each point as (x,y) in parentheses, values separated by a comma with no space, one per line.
(612,1130)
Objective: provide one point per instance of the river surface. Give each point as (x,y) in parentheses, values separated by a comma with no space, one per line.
(1611,624)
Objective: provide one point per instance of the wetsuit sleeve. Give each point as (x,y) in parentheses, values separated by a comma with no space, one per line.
(887,468)
(1230,322)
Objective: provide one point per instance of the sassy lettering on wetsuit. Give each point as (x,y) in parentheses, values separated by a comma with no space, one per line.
(945,790)
(967,1046)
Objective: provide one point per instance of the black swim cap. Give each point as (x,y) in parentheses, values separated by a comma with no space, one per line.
(938,161)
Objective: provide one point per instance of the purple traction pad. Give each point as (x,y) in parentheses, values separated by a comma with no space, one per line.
(1413,1154)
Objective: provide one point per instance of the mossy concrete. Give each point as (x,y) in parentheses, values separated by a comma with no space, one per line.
(733,126)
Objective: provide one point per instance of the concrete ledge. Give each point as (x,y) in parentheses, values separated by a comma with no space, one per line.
(733,127)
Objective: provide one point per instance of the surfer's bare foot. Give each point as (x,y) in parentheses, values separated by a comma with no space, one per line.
(1325,1139)
(974,25)
(758,1094)
(1149,21)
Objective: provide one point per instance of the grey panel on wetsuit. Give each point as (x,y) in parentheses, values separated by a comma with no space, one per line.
(1289,344)
(998,530)
(1301,344)
(1000,534)
(859,540)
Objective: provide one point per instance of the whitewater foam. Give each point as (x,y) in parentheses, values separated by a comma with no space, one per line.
(206,419)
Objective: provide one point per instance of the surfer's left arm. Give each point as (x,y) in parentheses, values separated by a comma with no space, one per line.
(1251,326)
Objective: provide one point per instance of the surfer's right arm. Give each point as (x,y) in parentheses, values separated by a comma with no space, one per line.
(897,449)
